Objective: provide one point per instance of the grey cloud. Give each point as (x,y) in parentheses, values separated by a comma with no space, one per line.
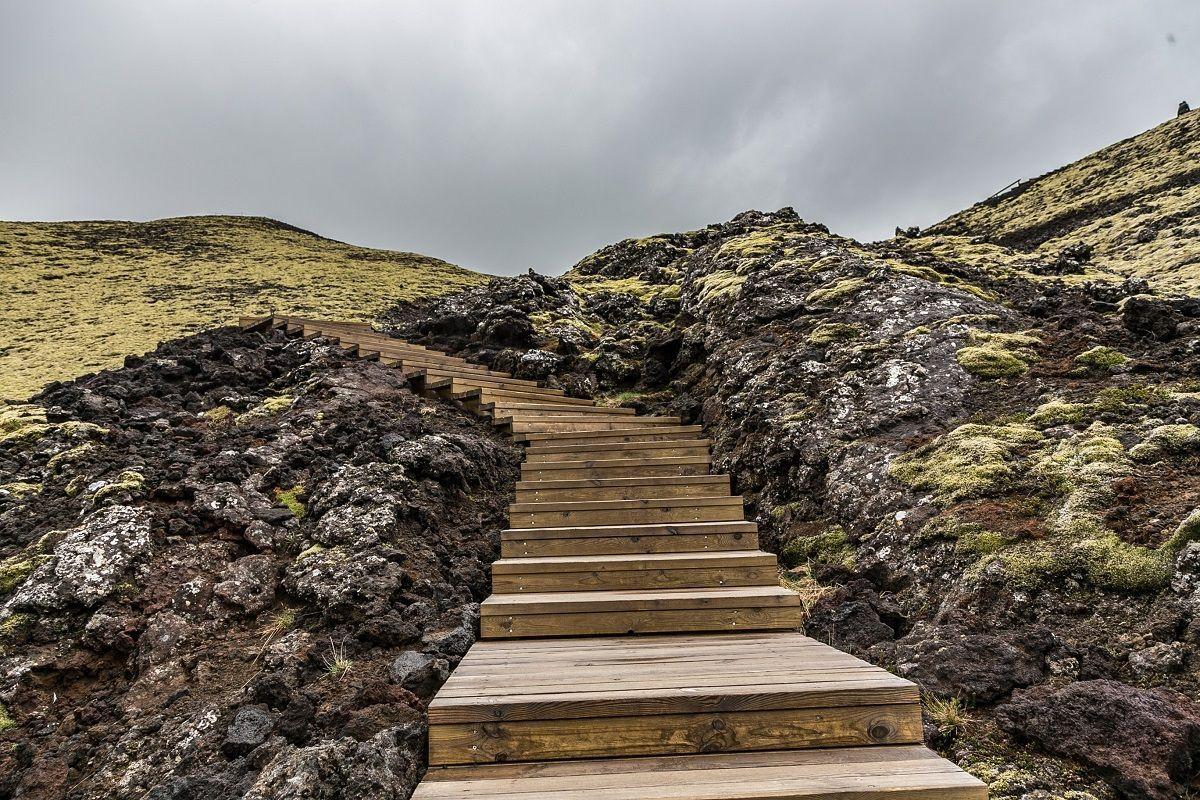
(510,135)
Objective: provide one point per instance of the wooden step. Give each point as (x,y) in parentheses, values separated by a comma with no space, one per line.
(459,389)
(425,359)
(616,468)
(652,433)
(623,572)
(892,772)
(502,408)
(437,379)
(411,363)
(482,396)
(734,608)
(630,512)
(664,695)
(392,347)
(628,539)
(625,420)
(381,343)
(581,452)
(552,491)
(559,425)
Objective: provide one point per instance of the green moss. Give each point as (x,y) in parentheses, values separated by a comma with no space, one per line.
(76,485)
(998,355)
(1057,412)
(831,547)
(267,408)
(991,362)
(968,537)
(836,293)
(15,626)
(312,551)
(1082,470)
(1166,440)
(933,276)
(829,333)
(718,284)
(219,416)
(545,322)
(971,461)
(70,456)
(19,489)
(128,481)
(642,290)
(290,499)
(21,422)
(13,572)
(981,543)
(1101,358)
(1188,531)
(6,720)
(1120,398)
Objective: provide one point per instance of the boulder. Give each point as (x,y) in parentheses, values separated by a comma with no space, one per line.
(982,667)
(1146,740)
(89,562)
(420,673)
(250,728)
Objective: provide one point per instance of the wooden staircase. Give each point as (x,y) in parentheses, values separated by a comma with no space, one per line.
(638,644)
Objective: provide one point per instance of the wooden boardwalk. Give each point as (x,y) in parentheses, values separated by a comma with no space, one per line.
(638,644)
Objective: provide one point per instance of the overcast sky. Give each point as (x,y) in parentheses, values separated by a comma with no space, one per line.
(517,134)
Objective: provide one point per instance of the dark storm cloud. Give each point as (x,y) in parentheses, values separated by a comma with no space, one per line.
(504,135)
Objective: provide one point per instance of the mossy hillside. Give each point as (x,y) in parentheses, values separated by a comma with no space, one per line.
(637,287)
(80,296)
(836,292)
(1135,203)
(971,461)
(831,548)
(1075,470)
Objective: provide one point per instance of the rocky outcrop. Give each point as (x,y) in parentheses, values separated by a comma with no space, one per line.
(1147,741)
(265,609)
(983,479)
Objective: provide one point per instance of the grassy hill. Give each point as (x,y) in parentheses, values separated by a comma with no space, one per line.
(1135,203)
(82,295)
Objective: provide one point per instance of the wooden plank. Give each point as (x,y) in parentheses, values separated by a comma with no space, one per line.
(482,396)
(626,563)
(611,512)
(660,529)
(666,577)
(887,772)
(618,545)
(546,740)
(628,623)
(502,408)
(735,597)
(618,468)
(892,772)
(545,491)
(771,693)
(539,449)
(466,379)
(664,432)
(451,388)
(634,450)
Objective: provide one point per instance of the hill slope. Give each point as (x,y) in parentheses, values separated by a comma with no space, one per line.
(84,294)
(1135,205)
